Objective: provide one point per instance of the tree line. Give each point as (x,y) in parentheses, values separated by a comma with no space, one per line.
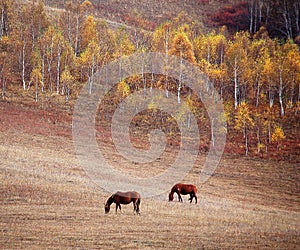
(258,77)
(280,17)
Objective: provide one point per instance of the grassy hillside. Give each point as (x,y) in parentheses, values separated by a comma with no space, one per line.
(150,14)
(48,201)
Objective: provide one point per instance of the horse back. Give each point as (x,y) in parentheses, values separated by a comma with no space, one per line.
(186,188)
(126,197)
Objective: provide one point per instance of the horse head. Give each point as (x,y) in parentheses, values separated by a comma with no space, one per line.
(107,208)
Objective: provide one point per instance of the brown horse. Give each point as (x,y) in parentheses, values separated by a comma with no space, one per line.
(124,198)
(183,189)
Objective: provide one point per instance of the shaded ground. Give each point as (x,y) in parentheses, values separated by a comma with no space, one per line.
(47,200)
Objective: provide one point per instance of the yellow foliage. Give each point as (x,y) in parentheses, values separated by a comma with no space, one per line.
(66,77)
(181,46)
(89,31)
(152,105)
(278,134)
(36,75)
(243,117)
(123,88)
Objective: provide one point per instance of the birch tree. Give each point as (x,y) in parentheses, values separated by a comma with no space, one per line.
(237,54)
(6,7)
(182,48)
(244,122)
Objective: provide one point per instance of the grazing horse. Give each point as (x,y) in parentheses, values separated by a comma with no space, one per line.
(124,198)
(183,189)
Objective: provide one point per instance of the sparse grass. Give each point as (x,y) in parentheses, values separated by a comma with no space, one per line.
(48,201)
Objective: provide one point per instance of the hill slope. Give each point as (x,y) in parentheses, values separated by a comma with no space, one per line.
(153,13)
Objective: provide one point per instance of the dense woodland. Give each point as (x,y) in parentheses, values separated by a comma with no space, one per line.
(253,64)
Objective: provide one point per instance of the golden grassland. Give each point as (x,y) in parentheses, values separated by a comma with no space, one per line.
(48,202)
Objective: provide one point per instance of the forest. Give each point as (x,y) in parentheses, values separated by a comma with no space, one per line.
(47,51)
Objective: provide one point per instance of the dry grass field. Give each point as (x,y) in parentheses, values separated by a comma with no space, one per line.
(48,202)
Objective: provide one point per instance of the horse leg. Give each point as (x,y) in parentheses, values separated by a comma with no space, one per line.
(191,198)
(138,206)
(118,206)
(195,198)
(179,197)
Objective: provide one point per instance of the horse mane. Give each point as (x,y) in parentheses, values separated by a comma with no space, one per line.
(110,200)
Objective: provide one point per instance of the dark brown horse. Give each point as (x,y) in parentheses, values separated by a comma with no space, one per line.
(183,189)
(124,198)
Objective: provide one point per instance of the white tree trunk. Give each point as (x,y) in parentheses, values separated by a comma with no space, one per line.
(280,93)
(167,59)
(251,16)
(2,23)
(246,142)
(36,90)
(43,72)
(58,68)
(23,66)
(257,94)
(49,63)
(236,84)
(3,88)
(180,78)
(91,79)
(76,46)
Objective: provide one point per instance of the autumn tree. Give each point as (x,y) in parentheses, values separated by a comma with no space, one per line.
(277,136)
(88,32)
(55,54)
(285,70)
(235,17)
(293,62)
(6,8)
(90,59)
(183,49)
(38,20)
(21,35)
(67,80)
(36,78)
(244,122)
(260,54)
(6,74)
(70,23)
(123,47)
(210,55)
(237,55)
